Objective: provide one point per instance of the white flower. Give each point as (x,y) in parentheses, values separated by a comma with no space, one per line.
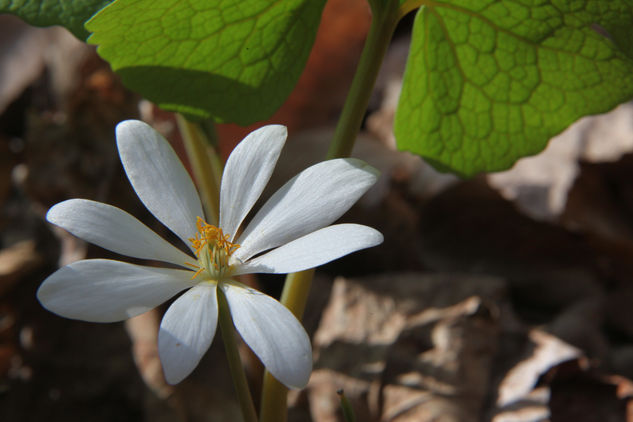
(287,234)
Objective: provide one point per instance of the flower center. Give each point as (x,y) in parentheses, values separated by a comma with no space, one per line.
(213,250)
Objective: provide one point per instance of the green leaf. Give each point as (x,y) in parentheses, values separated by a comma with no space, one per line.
(236,61)
(68,13)
(490,81)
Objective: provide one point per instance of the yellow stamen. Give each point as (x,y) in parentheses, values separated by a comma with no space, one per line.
(198,269)
(213,249)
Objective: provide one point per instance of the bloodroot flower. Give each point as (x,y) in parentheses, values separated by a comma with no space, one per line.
(291,232)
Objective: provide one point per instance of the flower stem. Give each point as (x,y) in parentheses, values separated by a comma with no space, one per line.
(233,356)
(205,163)
(297,286)
(346,407)
(384,21)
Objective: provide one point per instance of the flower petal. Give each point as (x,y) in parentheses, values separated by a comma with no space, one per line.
(113,229)
(313,249)
(187,330)
(313,199)
(159,178)
(246,174)
(103,290)
(272,332)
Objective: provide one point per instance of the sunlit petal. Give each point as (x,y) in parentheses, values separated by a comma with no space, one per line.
(187,330)
(313,249)
(272,332)
(313,199)
(113,229)
(159,178)
(246,174)
(102,290)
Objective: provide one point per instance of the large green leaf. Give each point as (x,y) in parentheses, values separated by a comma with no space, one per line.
(236,61)
(70,14)
(490,81)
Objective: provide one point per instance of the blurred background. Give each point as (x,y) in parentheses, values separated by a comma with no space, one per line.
(506,297)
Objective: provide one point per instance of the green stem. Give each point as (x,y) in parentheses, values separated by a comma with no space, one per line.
(274,400)
(206,165)
(297,286)
(233,356)
(384,21)
(346,407)
(409,6)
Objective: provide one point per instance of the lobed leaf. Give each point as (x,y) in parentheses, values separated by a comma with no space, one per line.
(491,81)
(236,61)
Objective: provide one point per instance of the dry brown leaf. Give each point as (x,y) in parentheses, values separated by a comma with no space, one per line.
(539,185)
(25,51)
(16,261)
(406,347)
(543,352)
(143,331)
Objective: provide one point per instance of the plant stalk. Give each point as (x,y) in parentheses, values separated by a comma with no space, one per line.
(206,166)
(383,24)
(233,356)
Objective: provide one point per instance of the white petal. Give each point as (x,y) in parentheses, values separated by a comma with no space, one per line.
(313,199)
(313,249)
(246,174)
(272,332)
(102,290)
(187,330)
(114,229)
(159,178)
